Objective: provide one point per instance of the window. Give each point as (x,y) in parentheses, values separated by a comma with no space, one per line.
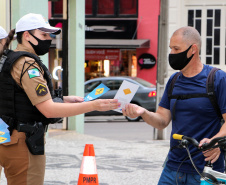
(102,8)
(105,7)
(213,36)
(128,7)
(57,8)
(211,24)
(89,7)
(111,8)
(113,84)
(194,19)
(91,86)
(144,82)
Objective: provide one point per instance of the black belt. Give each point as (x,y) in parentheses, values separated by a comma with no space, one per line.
(30,127)
(19,126)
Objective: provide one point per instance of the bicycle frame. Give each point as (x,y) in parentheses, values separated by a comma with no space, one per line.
(218,175)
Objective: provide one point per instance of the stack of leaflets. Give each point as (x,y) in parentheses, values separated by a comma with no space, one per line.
(4,132)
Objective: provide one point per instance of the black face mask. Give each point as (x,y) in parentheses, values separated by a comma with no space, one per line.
(179,61)
(43,46)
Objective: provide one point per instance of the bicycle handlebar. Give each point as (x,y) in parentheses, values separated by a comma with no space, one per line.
(212,144)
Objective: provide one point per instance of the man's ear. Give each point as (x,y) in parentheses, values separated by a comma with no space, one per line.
(26,36)
(194,48)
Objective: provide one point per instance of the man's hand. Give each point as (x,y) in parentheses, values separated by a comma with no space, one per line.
(211,155)
(105,104)
(72,99)
(133,111)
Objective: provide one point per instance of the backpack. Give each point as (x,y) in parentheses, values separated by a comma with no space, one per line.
(209,92)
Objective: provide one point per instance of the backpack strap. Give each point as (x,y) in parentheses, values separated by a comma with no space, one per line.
(170,90)
(210,91)
(209,88)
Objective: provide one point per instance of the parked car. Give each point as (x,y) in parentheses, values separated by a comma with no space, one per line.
(144,97)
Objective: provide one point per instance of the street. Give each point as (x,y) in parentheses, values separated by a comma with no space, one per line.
(125,153)
(118,128)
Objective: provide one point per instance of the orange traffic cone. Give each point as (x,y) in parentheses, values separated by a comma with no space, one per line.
(88,170)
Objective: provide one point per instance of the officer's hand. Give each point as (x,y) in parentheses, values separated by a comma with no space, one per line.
(73,99)
(133,111)
(105,104)
(211,155)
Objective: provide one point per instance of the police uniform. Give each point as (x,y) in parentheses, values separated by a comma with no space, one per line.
(20,166)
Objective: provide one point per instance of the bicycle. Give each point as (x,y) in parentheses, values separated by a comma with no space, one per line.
(208,176)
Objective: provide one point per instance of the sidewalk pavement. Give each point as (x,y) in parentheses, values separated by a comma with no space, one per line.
(119,162)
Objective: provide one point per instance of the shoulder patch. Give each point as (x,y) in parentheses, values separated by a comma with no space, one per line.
(33,73)
(41,90)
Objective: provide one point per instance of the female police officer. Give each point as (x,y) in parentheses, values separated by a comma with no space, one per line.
(26,102)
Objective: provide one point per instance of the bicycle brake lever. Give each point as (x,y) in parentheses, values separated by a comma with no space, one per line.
(204,146)
(177,146)
(213,144)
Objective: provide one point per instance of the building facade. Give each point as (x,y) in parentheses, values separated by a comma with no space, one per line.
(209,18)
(121,38)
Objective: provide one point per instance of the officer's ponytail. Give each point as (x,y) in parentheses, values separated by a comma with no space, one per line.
(1,49)
(9,38)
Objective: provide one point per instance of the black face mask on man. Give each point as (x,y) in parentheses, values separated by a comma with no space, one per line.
(179,61)
(42,47)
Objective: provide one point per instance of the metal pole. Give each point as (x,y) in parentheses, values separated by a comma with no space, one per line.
(76,57)
(162,57)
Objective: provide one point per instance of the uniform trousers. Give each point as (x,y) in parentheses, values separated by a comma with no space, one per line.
(20,166)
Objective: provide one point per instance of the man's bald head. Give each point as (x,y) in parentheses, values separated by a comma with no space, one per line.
(189,35)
